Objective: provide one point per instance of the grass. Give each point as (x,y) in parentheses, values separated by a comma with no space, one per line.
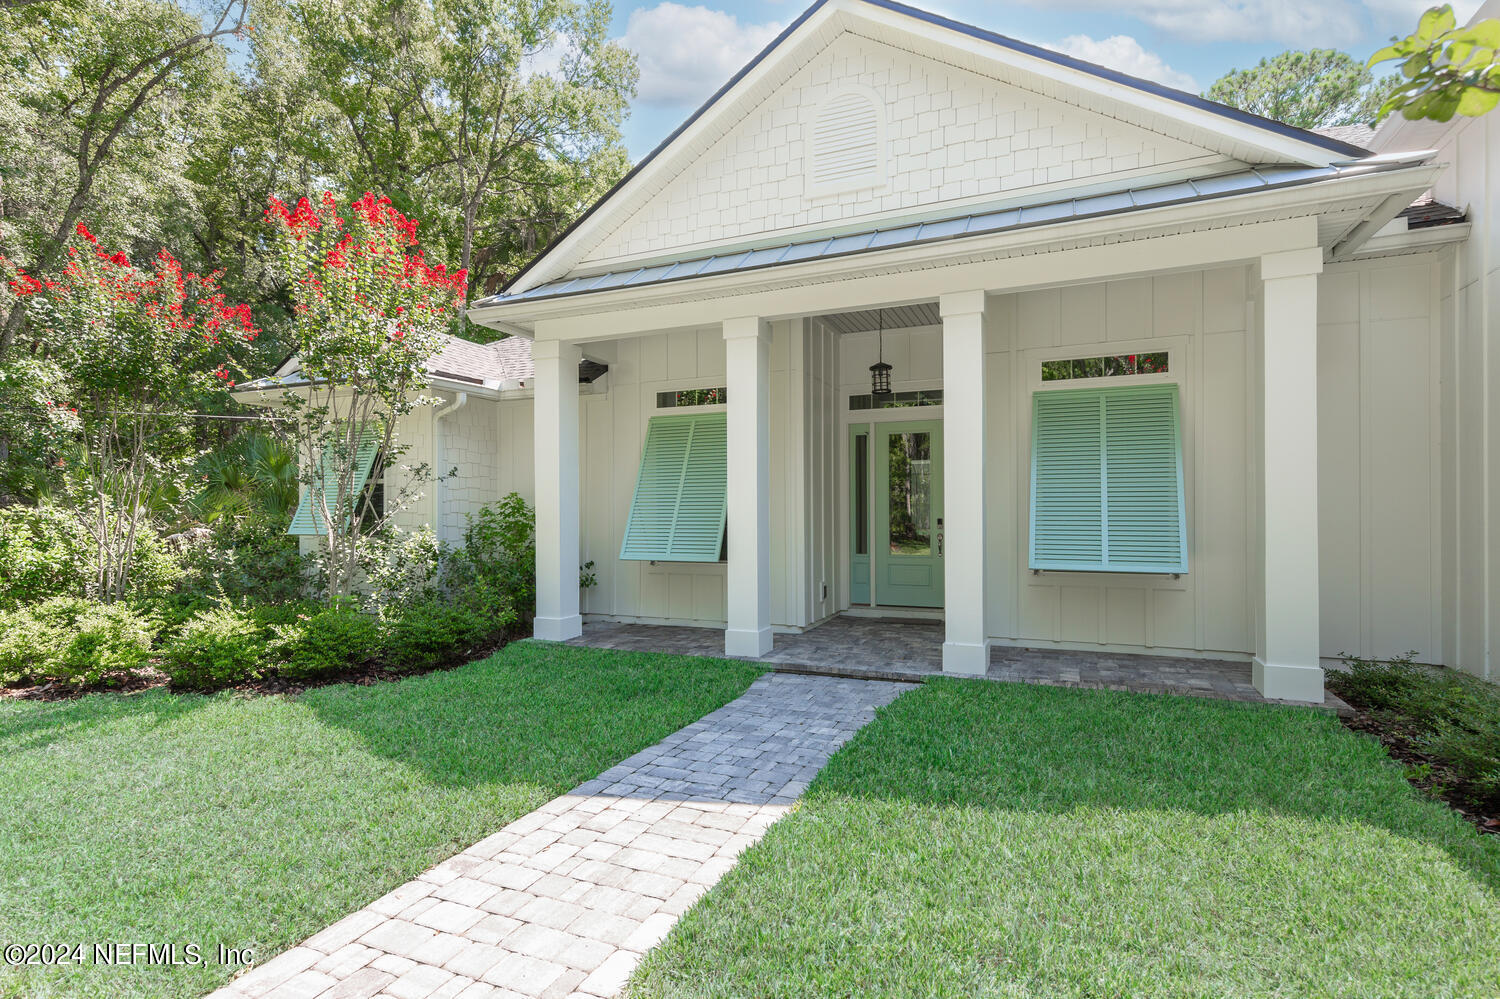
(255,821)
(985,839)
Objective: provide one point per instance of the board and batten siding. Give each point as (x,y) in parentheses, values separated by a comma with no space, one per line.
(1202,319)
(1379,435)
(1380,458)
(1470,294)
(613,432)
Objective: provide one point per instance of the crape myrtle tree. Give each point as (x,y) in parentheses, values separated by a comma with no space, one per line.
(128,355)
(368,313)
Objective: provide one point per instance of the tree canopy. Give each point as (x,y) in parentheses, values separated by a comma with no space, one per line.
(1317,88)
(1445,69)
(168,123)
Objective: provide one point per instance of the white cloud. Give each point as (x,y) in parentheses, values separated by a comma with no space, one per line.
(686,53)
(1293,22)
(1125,54)
(1406,12)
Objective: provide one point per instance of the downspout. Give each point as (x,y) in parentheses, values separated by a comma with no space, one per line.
(439,451)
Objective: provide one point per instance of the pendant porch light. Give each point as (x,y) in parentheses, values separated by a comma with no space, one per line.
(880,372)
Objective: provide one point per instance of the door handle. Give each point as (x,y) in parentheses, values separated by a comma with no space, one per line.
(940,537)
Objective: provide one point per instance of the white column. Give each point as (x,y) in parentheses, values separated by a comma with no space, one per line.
(1286,661)
(556,439)
(747,357)
(966,644)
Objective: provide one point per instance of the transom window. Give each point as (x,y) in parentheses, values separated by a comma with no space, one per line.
(898,400)
(692,397)
(1106,366)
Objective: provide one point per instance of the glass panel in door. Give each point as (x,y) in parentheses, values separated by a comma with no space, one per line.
(908,521)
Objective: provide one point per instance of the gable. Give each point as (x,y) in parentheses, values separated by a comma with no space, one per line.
(1238,137)
(866,129)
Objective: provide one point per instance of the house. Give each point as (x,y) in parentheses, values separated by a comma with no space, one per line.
(914,319)
(476,439)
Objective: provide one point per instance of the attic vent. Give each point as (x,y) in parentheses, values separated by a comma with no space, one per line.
(845,143)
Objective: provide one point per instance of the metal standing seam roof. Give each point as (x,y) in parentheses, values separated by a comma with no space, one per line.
(1331,143)
(1264,178)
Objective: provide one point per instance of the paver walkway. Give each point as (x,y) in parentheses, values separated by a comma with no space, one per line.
(885,649)
(563,901)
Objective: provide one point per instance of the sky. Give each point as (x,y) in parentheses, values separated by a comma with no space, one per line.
(686,51)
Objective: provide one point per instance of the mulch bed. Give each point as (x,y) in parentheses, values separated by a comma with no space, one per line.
(151,679)
(1424,771)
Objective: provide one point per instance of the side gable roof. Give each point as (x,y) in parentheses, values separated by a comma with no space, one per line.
(1274,141)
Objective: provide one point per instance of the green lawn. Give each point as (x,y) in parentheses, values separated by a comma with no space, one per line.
(1011,840)
(256,821)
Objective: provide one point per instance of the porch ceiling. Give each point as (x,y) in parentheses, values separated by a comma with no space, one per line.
(897,318)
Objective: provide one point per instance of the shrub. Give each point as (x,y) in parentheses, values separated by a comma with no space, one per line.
(155,569)
(433,632)
(216,648)
(43,553)
(1452,716)
(73,640)
(172,610)
(247,560)
(400,568)
(325,641)
(497,565)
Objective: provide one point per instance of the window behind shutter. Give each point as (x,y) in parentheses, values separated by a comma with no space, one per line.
(1107,490)
(309,516)
(681,497)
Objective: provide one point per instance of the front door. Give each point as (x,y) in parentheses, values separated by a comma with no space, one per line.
(897,514)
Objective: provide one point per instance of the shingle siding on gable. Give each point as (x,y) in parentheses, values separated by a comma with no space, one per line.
(951,135)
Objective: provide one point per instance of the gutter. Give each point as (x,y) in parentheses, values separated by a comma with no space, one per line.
(439,457)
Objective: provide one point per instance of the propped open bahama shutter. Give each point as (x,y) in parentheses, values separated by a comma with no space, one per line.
(1067,476)
(681,492)
(1106,480)
(309,516)
(1143,481)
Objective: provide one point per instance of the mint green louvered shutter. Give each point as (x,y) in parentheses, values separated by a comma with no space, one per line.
(1145,526)
(1067,476)
(308,518)
(681,493)
(1106,481)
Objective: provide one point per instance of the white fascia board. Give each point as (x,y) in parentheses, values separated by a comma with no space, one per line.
(1413,240)
(1213,215)
(485,390)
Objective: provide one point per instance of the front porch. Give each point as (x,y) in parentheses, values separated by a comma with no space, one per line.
(888,649)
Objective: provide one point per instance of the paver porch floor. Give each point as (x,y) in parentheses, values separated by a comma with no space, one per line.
(881,648)
(564,901)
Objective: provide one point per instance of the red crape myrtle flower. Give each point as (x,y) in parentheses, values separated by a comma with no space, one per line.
(367,300)
(133,325)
